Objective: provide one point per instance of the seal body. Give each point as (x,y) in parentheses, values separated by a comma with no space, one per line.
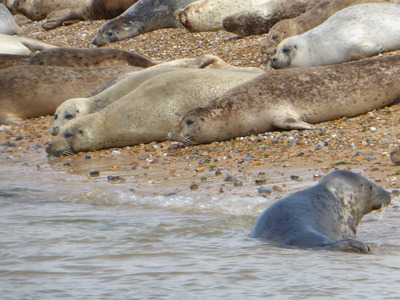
(293,99)
(10,44)
(310,19)
(33,91)
(95,57)
(359,31)
(12,60)
(325,216)
(147,113)
(261,18)
(7,22)
(144,16)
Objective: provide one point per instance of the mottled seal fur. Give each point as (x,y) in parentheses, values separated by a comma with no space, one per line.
(147,113)
(358,31)
(293,99)
(10,44)
(12,60)
(144,16)
(310,19)
(33,91)
(7,22)
(324,216)
(261,18)
(95,57)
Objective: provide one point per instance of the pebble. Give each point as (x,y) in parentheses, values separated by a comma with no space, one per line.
(264,190)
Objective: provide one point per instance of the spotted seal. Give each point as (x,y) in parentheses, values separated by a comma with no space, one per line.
(144,16)
(293,99)
(148,112)
(359,31)
(324,216)
(7,22)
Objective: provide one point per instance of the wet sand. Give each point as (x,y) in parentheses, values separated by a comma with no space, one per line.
(281,161)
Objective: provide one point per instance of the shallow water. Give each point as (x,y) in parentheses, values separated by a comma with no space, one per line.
(65,237)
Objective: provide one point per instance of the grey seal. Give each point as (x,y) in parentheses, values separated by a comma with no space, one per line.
(324,216)
(7,22)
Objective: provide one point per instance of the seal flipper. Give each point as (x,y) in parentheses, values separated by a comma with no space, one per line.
(291,122)
(349,245)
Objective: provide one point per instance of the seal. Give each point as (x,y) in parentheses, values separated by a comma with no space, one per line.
(261,18)
(94,57)
(310,19)
(293,99)
(10,44)
(359,31)
(7,22)
(33,91)
(110,93)
(12,60)
(147,113)
(144,16)
(324,216)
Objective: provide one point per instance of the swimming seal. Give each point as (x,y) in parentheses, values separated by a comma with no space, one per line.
(293,99)
(359,31)
(143,16)
(325,216)
(147,113)
(7,22)
(94,57)
(33,91)
(310,19)
(261,18)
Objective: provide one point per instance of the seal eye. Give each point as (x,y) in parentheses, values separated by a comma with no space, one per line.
(68,116)
(55,117)
(80,132)
(286,50)
(67,135)
(189,122)
(274,37)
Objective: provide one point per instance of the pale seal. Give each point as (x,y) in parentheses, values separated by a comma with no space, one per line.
(261,18)
(95,57)
(293,99)
(10,44)
(147,113)
(358,31)
(7,22)
(144,16)
(310,19)
(324,216)
(33,91)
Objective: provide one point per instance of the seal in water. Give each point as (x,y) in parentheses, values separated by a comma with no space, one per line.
(143,16)
(147,113)
(358,31)
(293,99)
(325,216)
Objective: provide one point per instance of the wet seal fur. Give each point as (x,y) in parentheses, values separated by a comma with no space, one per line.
(143,16)
(95,57)
(33,91)
(358,31)
(310,19)
(293,99)
(325,216)
(147,113)
(7,22)
(261,18)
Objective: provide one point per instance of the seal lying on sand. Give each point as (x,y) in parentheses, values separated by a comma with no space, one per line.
(325,216)
(293,99)
(310,19)
(358,31)
(261,18)
(147,113)
(7,22)
(95,57)
(12,60)
(33,91)
(144,16)
(19,45)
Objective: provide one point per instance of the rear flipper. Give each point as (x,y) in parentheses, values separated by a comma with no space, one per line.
(349,245)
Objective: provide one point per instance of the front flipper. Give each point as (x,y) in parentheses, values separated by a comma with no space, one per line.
(291,122)
(349,245)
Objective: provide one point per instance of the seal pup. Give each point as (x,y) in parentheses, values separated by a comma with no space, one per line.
(147,113)
(144,16)
(359,31)
(261,18)
(310,19)
(7,22)
(324,216)
(94,57)
(10,44)
(33,91)
(293,99)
